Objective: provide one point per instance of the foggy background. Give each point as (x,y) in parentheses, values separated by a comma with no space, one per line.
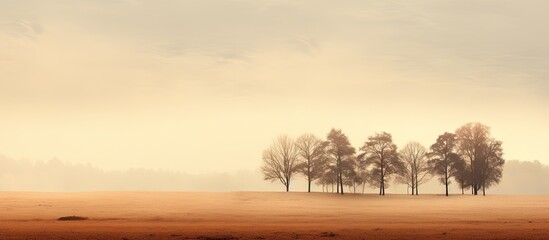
(519,177)
(197,89)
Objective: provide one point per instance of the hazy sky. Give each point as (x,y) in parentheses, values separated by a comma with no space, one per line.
(205,86)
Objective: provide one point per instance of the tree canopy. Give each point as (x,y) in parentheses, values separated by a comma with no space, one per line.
(470,156)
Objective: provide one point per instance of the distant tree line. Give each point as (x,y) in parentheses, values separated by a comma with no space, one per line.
(470,156)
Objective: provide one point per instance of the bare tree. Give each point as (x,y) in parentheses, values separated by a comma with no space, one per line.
(406,177)
(328,178)
(363,178)
(471,138)
(416,170)
(443,158)
(313,157)
(351,177)
(381,157)
(280,161)
(339,149)
(491,165)
(484,155)
(461,174)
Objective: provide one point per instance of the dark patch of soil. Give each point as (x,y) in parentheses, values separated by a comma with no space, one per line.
(72,218)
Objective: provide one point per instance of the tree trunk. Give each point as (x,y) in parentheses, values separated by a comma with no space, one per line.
(483,189)
(413,181)
(382,182)
(337,182)
(341,182)
(309,186)
(338,173)
(473,182)
(446,181)
(382,187)
(288,185)
(309,175)
(417,184)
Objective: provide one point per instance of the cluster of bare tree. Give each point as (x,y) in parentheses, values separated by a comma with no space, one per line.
(470,156)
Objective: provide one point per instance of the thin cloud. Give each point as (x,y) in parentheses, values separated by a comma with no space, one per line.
(220,54)
(22,29)
(303,44)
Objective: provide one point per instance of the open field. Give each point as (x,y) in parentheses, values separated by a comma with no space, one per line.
(266,215)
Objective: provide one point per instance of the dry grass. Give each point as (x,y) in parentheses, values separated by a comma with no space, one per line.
(267,215)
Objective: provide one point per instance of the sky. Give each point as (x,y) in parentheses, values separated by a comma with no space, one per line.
(204,86)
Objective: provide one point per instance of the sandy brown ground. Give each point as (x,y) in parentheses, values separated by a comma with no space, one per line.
(258,215)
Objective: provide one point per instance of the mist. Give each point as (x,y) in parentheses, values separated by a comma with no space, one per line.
(520,177)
